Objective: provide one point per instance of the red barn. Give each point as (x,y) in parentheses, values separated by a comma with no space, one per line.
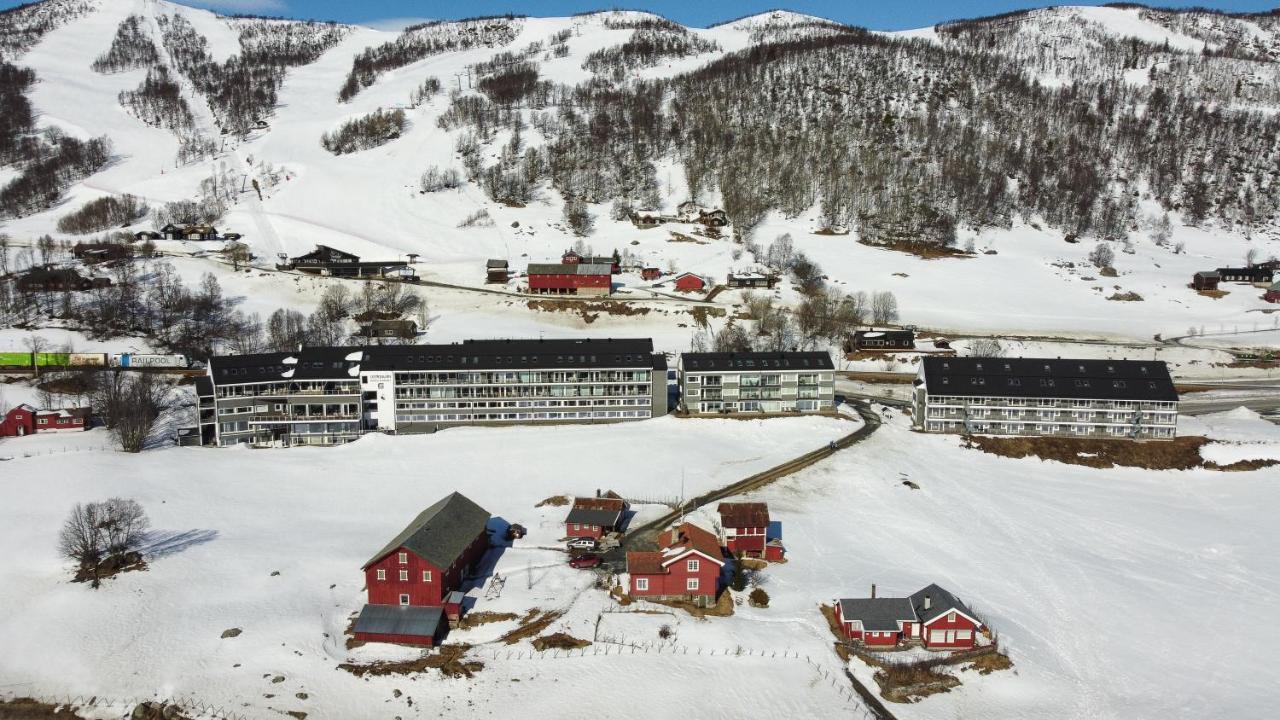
(688,282)
(650,273)
(570,279)
(66,420)
(409,579)
(745,525)
(945,622)
(593,517)
(687,567)
(18,422)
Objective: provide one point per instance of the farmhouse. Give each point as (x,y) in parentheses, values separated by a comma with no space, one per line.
(496,271)
(713,218)
(594,517)
(745,525)
(410,578)
(1031,396)
(883,340)
(686,568)
(397,329)
(328,261)
(26,420)
(92,252)
(172,232)
(932,617)
(757,382)
(199,232)
(1205,280)
(650,273)
(1254,274)
(750,280)
(331,395)
(570,279)
(688,282)
(572,258)
(142,235)
(50,280)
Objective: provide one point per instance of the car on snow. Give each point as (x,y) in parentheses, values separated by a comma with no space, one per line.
(583,543)
(584,561)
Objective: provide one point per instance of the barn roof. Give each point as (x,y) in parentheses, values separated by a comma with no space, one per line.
(941,602)
(877,614)
(588,516)
(756,361)
(583,268)
(1041,377)
(747,514)
(440,533)
(399,620)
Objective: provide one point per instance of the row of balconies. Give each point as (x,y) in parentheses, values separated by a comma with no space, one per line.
(1023,403)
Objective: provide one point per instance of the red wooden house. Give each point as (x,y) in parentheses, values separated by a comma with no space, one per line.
(688,282)
(26,420)
(686,568)
(650,273)
(19,421)
(410,578)
(932,617)
(570,279)
(594,517)
(745,526)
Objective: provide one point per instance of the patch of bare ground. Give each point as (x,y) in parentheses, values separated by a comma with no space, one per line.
(1215,294)
(912,682)
(926,251)
(29,709)
(830,231)
(157,711)
(531,624)
(723,606)
(678,237)
(701,313)
(989,663)
(1126,297)
(620,595)
(559,641)
(589,310)
(450,660)
(1265,364)
(1178,454)
(352,642)
(554,501)
(877,377)
(484,617)
(112,566)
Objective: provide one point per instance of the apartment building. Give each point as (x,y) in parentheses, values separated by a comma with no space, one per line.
(331,395)
(1032,396)
(757,382)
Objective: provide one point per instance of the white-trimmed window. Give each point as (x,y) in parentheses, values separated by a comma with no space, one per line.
(426,576)
(382,574)
(693,565)
(404,576)
(403,558)
(964,634)
(642,584)
(691,584)
(951,616)
(404,599)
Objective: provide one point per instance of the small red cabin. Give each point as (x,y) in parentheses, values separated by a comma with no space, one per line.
(594,517)
(745,526)
(26,420)
(419,569)
(688,282)
(650,273)
(687,567)
(19,421)
(876,621)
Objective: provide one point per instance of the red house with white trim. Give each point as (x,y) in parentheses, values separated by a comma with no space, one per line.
(932,617)
(745,525)
(19,421)
(409,579)
(686,568)
(689,282)
(594,517)
(26,420)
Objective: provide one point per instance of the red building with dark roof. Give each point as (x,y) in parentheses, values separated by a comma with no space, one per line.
(26,420)
(594,517)
(745,526)
(686,568)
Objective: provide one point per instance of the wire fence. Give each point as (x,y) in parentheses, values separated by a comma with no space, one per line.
(189,705)
(9,452)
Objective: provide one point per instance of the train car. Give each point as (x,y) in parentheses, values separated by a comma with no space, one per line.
(87,359)
(140,360)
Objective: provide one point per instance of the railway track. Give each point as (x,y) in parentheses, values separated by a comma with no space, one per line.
(645,536)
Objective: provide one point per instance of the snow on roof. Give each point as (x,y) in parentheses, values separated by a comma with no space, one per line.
(356,356)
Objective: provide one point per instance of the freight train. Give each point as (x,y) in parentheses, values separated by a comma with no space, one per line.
(76,360)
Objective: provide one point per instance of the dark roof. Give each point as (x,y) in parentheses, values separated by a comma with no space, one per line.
(886,334)
(328,254)
(496,264)
(1255,270)
(940,602)
(587,516)
(1208,274)
(583,268)
(332,363)
(441,532)
(757,361)
(399,620)
(204,386)
(877,614)
(747,514)
(1041,377)
(45,275)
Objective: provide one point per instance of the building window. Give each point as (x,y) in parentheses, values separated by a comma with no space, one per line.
(426,576)
(404,599)
(964,634)
(404,576)
(691,584)
(642,584)
(951,617)
(403,558)
(694,565)
(382,574)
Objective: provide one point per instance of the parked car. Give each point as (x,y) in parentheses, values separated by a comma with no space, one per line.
(584,561)
(583,543)
(516,531)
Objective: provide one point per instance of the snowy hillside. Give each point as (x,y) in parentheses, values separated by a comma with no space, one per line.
(198,144)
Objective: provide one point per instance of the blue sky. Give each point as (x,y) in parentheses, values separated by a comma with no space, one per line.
(895,15)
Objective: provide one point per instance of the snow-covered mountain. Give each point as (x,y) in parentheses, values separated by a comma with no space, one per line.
(1106,124)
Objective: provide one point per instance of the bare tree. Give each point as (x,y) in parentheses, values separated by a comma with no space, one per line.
(35,345)
(81,541)
(986,347)
(130,406)
(4,254)
(239,255)
(47,246)
(1102,255)
(123,525)
(103,537)
(884,308)
(1251,257)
